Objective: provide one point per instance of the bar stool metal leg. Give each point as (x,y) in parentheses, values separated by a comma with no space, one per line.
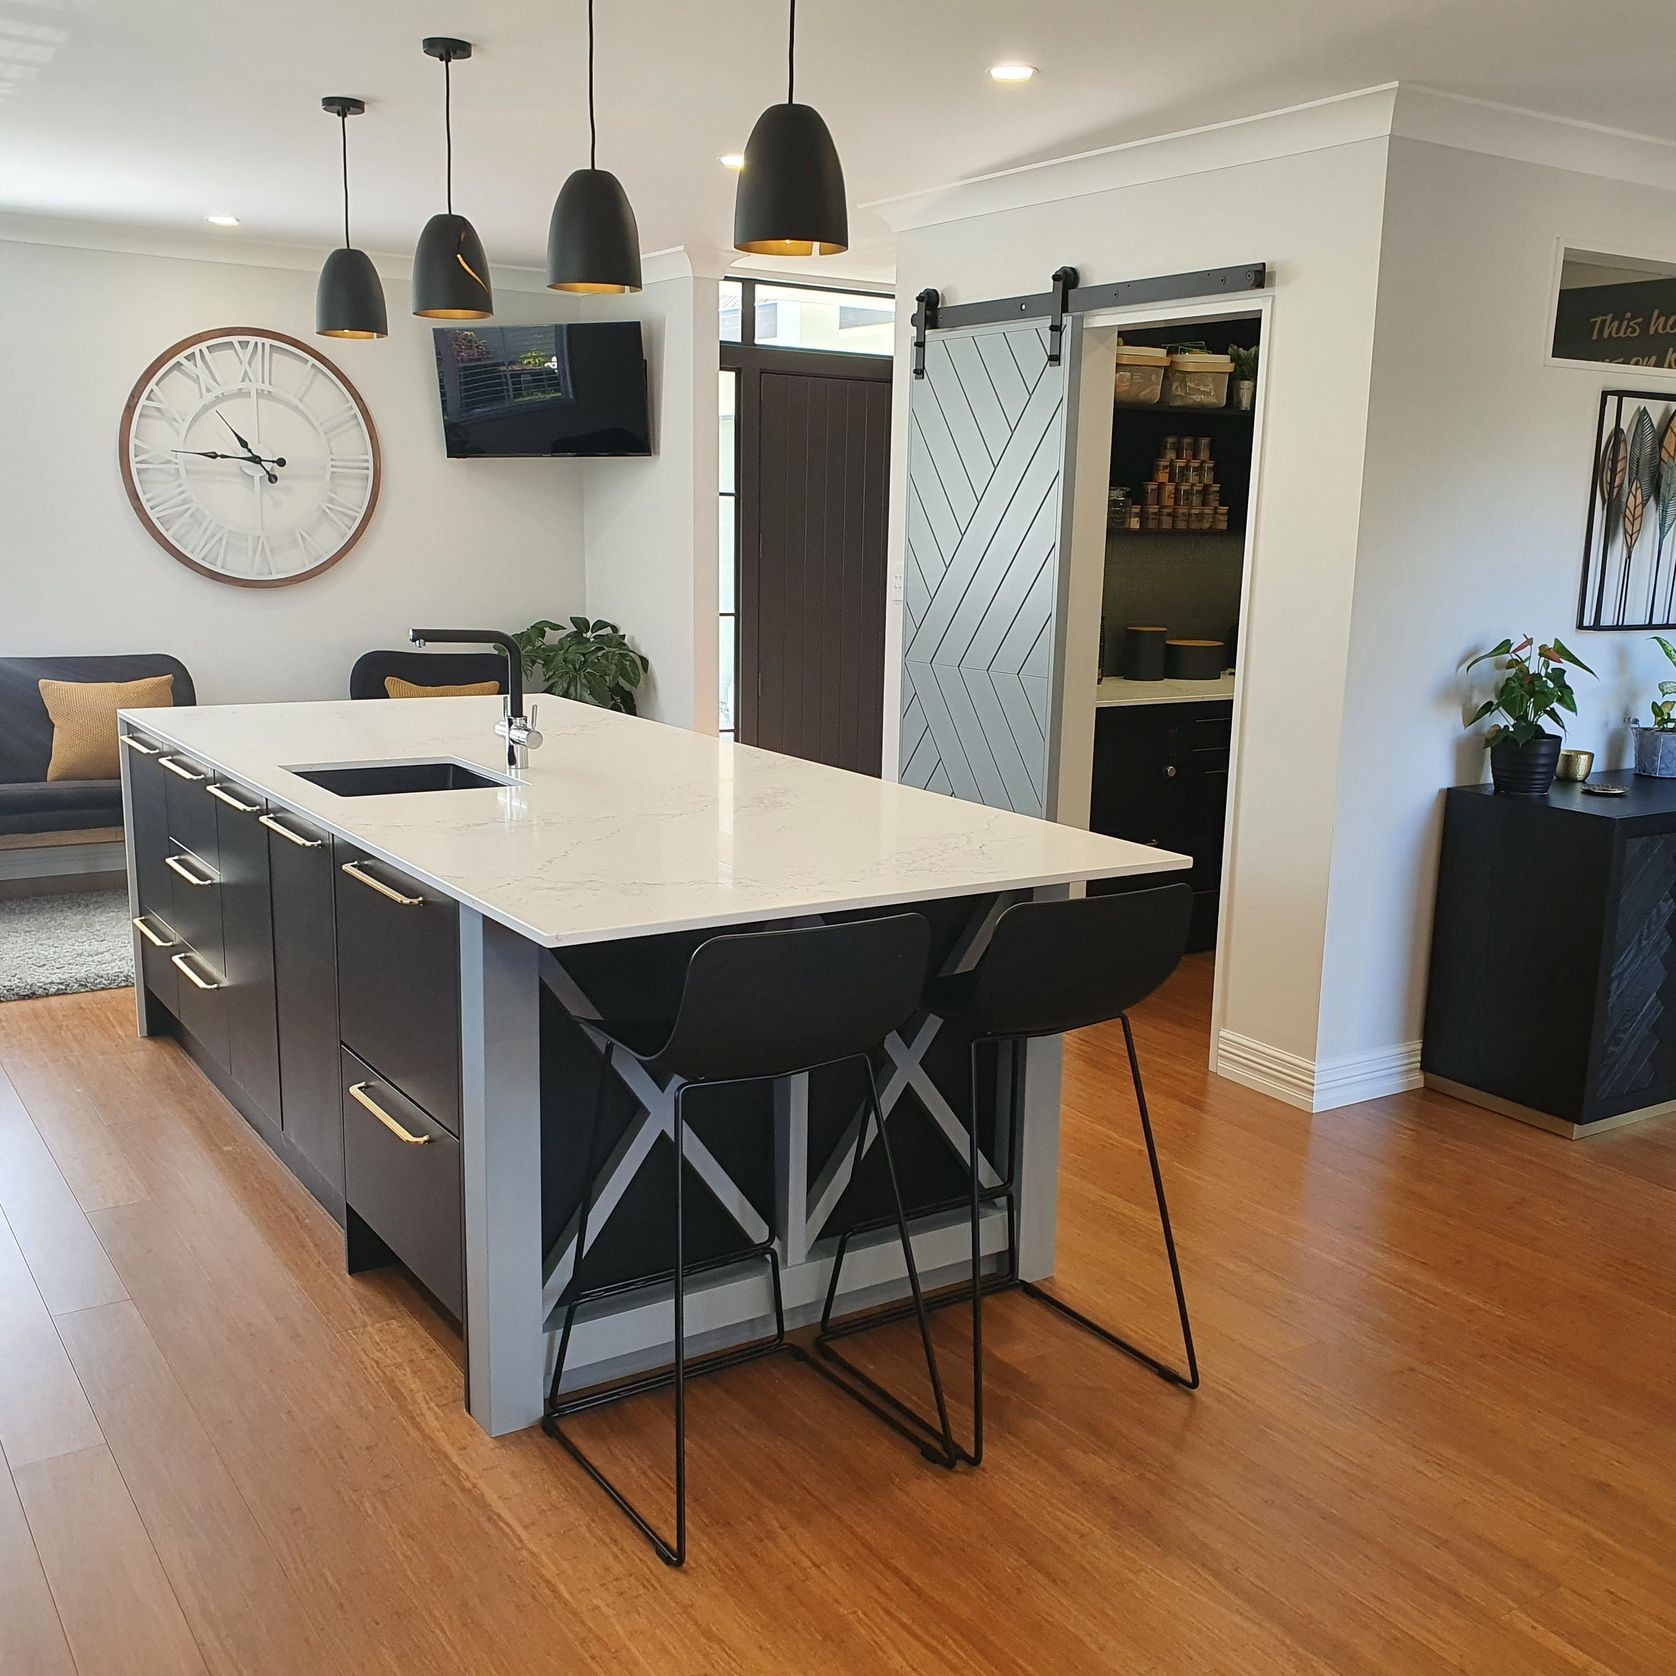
(1188,1381)
(935,1442)
(672,1554)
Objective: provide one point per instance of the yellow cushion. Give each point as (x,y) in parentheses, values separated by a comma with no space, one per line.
(83,715)
(396,687)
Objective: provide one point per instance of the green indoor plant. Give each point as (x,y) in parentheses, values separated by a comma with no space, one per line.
(1534,689)
(588,661)
(1244,358)
(1655,746)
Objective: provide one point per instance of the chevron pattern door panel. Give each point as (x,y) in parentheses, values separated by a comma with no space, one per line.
(985,458)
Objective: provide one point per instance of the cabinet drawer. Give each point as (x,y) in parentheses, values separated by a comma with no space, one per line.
(201,1000)
(158,944)
(399,980)
(191,810)
(194,907)
(402,1178)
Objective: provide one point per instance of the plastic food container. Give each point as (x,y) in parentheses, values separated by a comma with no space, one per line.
(1140,375)
(1197,380)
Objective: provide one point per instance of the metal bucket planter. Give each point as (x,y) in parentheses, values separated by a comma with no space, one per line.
(1655,752)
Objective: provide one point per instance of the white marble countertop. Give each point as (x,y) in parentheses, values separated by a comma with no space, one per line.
(624,827)
(1116,690)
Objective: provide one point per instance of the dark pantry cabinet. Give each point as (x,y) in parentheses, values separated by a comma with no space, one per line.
(1161,777)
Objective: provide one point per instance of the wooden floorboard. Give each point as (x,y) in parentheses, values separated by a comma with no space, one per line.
(1437,1430)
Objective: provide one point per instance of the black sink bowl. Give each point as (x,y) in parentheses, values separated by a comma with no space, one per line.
(386,779)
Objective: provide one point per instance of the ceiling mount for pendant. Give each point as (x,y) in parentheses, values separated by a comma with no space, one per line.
(349,300)
(790,200)
(593,243)
(450,270)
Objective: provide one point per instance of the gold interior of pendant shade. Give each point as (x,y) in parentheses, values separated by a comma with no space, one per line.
(791,247)
(583,288)
(454,313)
(345,333)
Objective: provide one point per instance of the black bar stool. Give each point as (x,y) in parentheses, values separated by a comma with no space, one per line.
(1050,967)
(754,1007)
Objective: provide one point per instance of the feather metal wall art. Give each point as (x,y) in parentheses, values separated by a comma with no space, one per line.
(1631,533)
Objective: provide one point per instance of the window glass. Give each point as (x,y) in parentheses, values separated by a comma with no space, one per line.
(724,684)
(730,311)
(727,551)
(856,322)
(728,434)
(1618,309)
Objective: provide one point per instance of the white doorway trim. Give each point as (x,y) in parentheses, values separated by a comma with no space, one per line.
(1261,305)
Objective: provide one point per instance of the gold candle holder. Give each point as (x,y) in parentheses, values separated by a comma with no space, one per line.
(1576,765)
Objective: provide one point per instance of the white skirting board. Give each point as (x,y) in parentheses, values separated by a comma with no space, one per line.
(1316,1085)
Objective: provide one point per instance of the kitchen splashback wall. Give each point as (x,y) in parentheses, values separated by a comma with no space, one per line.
(492,542)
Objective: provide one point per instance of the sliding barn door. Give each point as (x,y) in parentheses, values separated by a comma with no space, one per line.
(985,461)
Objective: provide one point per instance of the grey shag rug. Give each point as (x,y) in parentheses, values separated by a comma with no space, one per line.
(63,945)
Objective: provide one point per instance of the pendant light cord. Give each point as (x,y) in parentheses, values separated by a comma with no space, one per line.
(448,128)
(791,53)
(343,127)
(593,128)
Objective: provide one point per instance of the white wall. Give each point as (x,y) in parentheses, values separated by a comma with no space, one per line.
(1477,482)
(492,542)
(1314,215)
(650,525)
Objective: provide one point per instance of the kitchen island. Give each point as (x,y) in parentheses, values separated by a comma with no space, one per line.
(385,948)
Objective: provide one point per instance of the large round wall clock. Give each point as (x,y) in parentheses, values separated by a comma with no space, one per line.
(249,457)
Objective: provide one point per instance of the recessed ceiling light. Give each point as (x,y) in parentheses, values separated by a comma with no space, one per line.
(734,160)
(1012,72)
(222,220)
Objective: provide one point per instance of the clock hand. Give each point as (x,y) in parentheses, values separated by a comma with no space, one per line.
(236,437)
(203,454)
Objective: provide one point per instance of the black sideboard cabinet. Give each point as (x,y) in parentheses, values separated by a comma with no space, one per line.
(1552,994)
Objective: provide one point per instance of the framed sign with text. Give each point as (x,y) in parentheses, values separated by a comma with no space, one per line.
(1616,310)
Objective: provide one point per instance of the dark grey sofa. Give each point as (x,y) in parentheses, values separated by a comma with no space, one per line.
(30,804)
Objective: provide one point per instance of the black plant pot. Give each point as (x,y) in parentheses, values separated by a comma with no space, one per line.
(1526,770)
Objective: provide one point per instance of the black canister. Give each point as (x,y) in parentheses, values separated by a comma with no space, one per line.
(1194,660)
(1143,652)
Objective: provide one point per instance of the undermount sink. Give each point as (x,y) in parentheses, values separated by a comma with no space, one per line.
(386,779)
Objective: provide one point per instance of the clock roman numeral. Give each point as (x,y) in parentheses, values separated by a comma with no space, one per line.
(154,402)
(256,360)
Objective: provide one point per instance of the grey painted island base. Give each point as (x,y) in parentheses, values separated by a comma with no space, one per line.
(512,1342)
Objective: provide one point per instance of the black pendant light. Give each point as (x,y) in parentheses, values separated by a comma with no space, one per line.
(593,244)
(349,301)
(790,200)
(450,271)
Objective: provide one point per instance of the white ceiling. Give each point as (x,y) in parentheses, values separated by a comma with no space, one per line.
(159,112)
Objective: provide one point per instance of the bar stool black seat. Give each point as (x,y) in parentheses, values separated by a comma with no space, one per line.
(754,1006)
(1051,967)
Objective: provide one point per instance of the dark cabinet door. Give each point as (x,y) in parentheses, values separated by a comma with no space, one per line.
(1161,777)
(306,985)
(247,960)
(191,814)
(146,779)
(399,980)
(403,1176)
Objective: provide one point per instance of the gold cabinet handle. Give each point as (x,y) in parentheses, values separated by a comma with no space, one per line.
(142,926)
(185,773)
(358,1092)
(285,832)
(222,795)
(177,864)
(353,869)
(179,962)
(135,743)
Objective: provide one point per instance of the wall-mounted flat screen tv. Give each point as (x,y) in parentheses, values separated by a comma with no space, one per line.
(564,392)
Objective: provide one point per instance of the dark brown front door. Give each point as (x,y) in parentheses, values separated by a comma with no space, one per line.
(814,468)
